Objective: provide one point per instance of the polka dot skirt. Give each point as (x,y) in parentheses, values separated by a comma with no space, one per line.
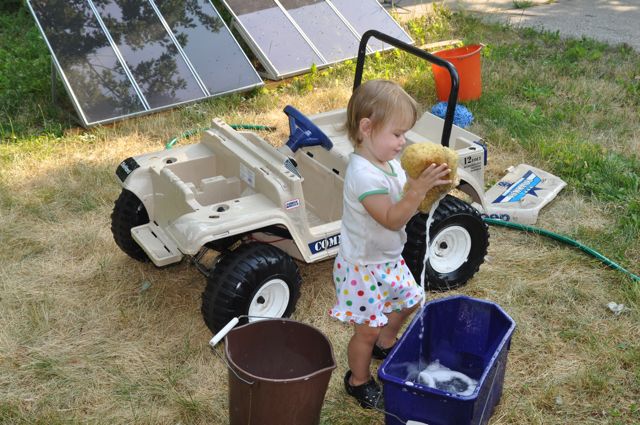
(366,293)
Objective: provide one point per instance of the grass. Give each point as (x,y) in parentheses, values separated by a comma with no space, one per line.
(91,336)
(522,4)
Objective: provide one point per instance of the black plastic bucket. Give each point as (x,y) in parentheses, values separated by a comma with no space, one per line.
(279,373)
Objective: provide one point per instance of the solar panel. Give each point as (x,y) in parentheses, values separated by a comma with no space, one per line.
(366,15)
(277,42)
(324,27)
(289,36)
(209,45)
(119,58)
(91,67)
(157,66)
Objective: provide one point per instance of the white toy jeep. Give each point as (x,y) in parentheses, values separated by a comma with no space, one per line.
(261,207)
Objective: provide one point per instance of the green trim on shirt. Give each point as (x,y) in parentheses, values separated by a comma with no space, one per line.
(392,173)
(373,192)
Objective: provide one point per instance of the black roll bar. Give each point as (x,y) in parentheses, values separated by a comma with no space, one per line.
(453,73)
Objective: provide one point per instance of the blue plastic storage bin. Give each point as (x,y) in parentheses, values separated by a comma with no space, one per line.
(467,335)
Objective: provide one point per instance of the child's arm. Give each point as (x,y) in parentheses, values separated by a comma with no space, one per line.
(394,216)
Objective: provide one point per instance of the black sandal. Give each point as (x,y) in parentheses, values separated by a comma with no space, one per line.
(379,353)
(369,394)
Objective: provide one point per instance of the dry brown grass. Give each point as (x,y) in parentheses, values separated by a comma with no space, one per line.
(91,336)
(88,335)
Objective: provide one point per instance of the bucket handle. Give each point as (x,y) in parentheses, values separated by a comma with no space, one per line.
(230,325)
(453,73)
(218,337)
(232,369)
(223,332)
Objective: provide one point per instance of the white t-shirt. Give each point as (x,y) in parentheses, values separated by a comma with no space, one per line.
(364,240)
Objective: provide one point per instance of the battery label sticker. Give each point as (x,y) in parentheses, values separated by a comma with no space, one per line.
(247,175)
(473,163)
(293,203)
(324,244)
(125,168)
(526,185)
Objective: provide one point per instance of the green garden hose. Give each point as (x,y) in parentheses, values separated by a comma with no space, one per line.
(252,127)
(564,239)
(184,135)
(190,133)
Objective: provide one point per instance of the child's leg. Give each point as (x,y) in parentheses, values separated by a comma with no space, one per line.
(389,332)
(359,353)
(402,296)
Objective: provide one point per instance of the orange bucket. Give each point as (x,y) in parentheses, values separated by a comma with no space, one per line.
(466,59)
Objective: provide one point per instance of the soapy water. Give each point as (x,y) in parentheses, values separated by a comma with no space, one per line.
(432,211)
(423,274)
(435,375)
(440,377)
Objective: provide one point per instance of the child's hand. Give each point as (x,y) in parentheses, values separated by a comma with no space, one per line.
(395,215)
(431,177)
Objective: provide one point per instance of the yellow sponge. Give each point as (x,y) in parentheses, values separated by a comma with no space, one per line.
(419,156)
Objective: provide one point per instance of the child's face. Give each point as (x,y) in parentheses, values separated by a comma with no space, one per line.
(386,142)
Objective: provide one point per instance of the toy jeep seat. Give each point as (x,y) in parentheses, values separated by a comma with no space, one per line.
(322,187)
(320,183)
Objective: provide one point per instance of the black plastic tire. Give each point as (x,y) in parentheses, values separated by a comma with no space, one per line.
(458,241)
(247,279)
(128,212)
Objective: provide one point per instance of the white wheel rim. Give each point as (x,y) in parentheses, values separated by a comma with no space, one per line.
(450,249)
(270,300)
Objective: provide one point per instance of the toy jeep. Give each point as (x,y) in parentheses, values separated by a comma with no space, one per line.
(261,207)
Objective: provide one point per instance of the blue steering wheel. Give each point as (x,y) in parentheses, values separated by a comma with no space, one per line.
(302,132)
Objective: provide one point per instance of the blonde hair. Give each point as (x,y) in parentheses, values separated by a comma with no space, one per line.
(382,101)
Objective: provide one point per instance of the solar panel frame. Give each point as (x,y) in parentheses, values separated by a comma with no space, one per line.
(315,28)
(58,67)
(86,119)
(272,71)
(399,33)
(177,45)
(214,59)
(119,55)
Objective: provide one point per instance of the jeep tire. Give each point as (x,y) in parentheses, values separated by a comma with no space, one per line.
(128,212)
(458,241)
(256,280)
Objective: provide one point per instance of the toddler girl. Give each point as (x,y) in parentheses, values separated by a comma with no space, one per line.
(375,289)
